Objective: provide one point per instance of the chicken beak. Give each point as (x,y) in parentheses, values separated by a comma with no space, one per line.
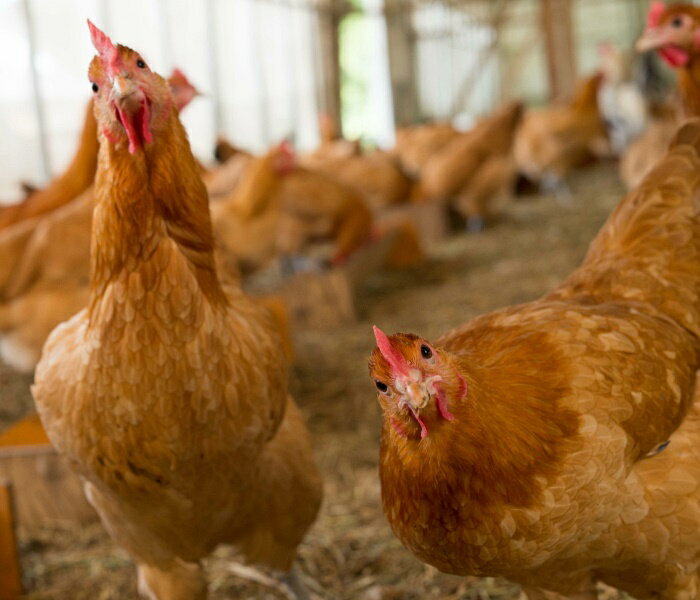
(123,87)
(652,39)
(415,396)
(414,392)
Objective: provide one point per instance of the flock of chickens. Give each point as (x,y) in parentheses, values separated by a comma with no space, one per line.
(554,443)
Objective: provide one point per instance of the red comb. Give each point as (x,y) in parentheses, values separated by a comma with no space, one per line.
(394,358)
(656,9)
(105,48)
(286,159)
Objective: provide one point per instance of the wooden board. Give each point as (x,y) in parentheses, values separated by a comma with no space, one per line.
(10,573)
(327,299)
(46,490)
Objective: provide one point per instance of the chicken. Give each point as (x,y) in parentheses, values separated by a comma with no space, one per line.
(316,207)
(79,175)
(376,176)
(672,32)
(168,393)
(279,207)
(49,281)
(221,181)
(552,141)
(523,443)
(26,321)
(13,240)
(475,166)
(416,145)
(43,279)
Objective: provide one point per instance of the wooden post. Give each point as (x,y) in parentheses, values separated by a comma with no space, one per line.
(557,25)
(401,38)
(331,12)
(10,574)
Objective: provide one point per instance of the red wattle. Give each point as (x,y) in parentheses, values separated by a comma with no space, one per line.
(442,406)
(423,428)
(136,126)
(674,56)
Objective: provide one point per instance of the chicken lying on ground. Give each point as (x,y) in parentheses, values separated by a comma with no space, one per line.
(523,443)
(476,167)
(80,173)
(169,392)
(552,141)
(279,208)
(376,176)
(416,145)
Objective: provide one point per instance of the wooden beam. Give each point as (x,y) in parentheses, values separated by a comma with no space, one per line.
(557,24)
(10,573)
(401,39)
(330,14)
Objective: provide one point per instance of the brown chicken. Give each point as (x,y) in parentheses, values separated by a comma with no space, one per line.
(674,32)
(44,279)
(376,176)
(169,392)
(49,281)
(286,207)
(316,207)
(416,145)
(475,166)
(523,444)
(552,141)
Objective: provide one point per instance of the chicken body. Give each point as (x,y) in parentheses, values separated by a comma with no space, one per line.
(416,145)
(376,176)
(168,393)
(523,443)
(476,167)
(552,141)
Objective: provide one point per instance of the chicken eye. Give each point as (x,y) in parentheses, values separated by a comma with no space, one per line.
(95,88)
(382,387)
(677,22)
(140,64)
(425,351)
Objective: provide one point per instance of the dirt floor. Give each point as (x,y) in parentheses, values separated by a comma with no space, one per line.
(351,553)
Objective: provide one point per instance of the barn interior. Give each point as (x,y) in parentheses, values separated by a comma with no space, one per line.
(323,84)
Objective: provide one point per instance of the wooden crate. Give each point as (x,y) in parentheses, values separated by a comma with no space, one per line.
(10,573)
(46,490)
